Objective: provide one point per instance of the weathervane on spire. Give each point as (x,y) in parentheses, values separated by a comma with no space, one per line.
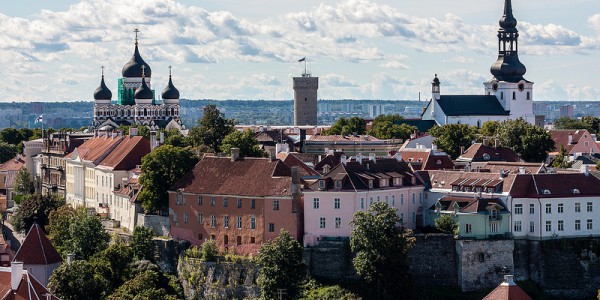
(136,35)
(170,70)
(102,71)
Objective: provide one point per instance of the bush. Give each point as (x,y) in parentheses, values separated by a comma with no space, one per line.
(446,224)
(315,291)
(209,251)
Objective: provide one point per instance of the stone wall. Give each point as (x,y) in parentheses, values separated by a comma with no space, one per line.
(330,260)
(167,253)
(159,224)
(433,259)
(483,263)
(212,280)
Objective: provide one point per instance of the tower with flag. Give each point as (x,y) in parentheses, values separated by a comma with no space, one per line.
(305,97)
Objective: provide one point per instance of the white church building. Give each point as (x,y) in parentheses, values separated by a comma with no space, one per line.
(507,95)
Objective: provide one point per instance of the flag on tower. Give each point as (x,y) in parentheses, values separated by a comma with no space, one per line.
(302,59)
(39,119)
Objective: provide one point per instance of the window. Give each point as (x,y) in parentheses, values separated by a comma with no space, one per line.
(238,222)
(239,202)
(517,227)
(402,218)
(213,201)
(401,199)
(378,199)
(226,221)
(185,218)
(362,203)
(200,237)
(414,217)
(577,207)
(336,203)
(514,96)
(199,200)
(225,202)
(275,204)
(338,222)
(252,222)
(590,225)
(321,184)
(531,226)
(548,208)
(252,240)
(239,240)
(528,96)
(322,222)
(494,227)
(468,228)
(494,214)
(413,198)
(200,218)
(271,227)
(548,226)
(501,95)
(532,208)
(370,184)
(178,201)
(561,225)
(213,221)
(420,197)
(370,201)
(590,206)
(386,200)
(338,184)
(226,239)
(577,224)
(252,203)
(316,203)
(518,209)
(560,208)
(393,200)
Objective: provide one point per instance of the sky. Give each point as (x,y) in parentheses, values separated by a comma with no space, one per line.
(240,49)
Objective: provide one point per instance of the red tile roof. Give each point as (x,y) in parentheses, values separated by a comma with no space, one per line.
(37,249)
(551,185)
(513,167)
(477,151)
(507,290)
(13,164)
(443,179)
(427,159)
(127,154)
(561,137)
(258,177)
(340,138)
(29,287)
(96,149)
(290,160)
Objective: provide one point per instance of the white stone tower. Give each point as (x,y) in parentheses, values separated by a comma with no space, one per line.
(305,98)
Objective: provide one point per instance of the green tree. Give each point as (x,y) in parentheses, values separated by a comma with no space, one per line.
(571,123)
(314,291)
(7,152)
(281,266)
(381,245)
(386,127)
(26,134)
(87,237)
(78,280)
(451,137)
(11,136)
(593,122)
(144,286)
(58,228)
(212,129)
(446,224)
(489,128)
(23,184)
(529,141)
(209,250)
(348,126)
(560,161)
(176,139)
(243,140)
(35,208)
(142,243)
(160,170)
(113,263)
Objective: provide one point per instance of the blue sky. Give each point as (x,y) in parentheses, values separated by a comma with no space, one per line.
(360,49)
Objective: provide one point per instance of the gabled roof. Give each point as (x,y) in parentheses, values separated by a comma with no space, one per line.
(290,160)
(561,137)
(507,290)
(127,154)
(421,159)
(513,167)
(470,204)
(438,179)
(551,185)
(96,149)
(37,249)
(13,164)
(251,177)
(331,160)
(477,152)
(471,105)
(29,287)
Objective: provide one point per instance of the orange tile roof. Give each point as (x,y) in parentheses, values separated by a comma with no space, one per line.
(561,137)
(507,290)
(95,149)
(13,164)
(29,287)
(127,154)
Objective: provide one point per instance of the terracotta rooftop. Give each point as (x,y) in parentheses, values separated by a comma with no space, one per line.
(438,179)
(29,287)
(478,151)
(127,154)
(37,249)
(513,167)
(342,138)
(331,160)
(13,164)
(570,185)
(290,160)
(427,159)
(507,290)
(561,137)
(96,149)
(258,177)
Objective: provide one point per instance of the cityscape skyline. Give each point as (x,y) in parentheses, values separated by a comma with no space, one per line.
(360,49)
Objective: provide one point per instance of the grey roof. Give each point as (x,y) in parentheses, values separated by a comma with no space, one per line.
(471,105)
(170,92)
(422,125)
(133,68)
(102,92)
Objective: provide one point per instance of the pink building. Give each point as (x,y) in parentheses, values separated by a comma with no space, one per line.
(330,202)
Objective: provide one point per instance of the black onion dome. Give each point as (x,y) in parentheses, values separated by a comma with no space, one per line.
(170,92)
(508,21)
(508,68)
(435,81)
(143,92)
(102,92)
(134,67)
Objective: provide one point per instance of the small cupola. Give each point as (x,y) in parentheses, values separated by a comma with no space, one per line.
(143,92)
(102,93)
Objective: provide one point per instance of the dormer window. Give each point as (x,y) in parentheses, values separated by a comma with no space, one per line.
(493,214)
(438,208)
(321,184)
(338,184)
(370,183)
(546,192)
(486,156)
(179,199)
(575,191)
(456,208)
(397,181)
(326,169)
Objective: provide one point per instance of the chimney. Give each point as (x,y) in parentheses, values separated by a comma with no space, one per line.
(372,157)
(496,143)
(272,155)
(570,139)
(486,142)
(70,258)
(462,150)
(344,159)
(359,158)
(587,170)
(433,147)
(302,139)
(16,274)
(508,280)
(521,170)
(398,156)
(235,154)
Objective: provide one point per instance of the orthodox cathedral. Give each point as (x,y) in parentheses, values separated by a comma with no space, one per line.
(137,103)
(507,95)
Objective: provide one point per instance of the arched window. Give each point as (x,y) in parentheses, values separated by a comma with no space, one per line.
(502,95)
(514,95)
(528,96)
(145,112)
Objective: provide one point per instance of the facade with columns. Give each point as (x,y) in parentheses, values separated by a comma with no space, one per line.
(506,96)
(137,103)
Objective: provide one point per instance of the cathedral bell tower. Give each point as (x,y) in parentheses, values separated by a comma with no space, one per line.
(514,92)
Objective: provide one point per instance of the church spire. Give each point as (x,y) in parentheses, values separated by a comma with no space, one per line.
(508,67)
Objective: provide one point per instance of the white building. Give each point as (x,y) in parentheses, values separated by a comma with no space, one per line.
(506,96)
